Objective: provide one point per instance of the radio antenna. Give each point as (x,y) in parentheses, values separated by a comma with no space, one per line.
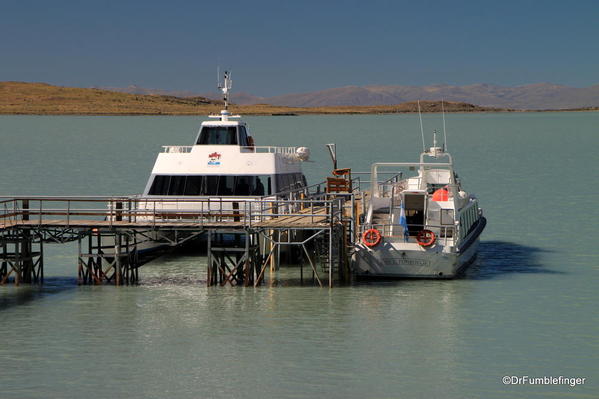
(444,133)
(226,87)
(421,128)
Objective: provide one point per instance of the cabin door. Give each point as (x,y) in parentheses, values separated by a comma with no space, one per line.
(414,205)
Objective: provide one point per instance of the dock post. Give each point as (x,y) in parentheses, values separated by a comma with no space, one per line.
(41,261)
(26,254)
(99,271)
(4,263)
(330,258)
(79,262)
(344,271)
(135,257)
(17,265)
(330,254)
(127,265)
(209,274)
(302,268)
(117,258)
(278,263)
(246,263)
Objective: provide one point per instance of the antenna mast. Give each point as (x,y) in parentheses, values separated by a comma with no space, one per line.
(421,128)
(226,86)
(218,76)
(444,133)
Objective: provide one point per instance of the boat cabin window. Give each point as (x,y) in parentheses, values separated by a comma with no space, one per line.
(468,219)
(219,135)
(447,217)
(432,187)
(211,185)
(243,137)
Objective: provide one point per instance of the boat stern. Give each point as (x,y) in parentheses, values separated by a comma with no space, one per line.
(404,260)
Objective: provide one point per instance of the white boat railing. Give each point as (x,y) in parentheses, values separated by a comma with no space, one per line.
(394,232)
(182,149)
(270,150)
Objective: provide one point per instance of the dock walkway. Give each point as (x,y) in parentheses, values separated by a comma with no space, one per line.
(117,229)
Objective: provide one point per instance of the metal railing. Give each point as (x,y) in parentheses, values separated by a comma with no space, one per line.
(395,232)
(391,186)
(112,211)
(270,150)
(178,149)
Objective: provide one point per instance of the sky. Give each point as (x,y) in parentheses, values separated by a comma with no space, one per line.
(281,47)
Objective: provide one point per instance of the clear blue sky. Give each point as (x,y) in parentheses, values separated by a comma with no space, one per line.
(279,47)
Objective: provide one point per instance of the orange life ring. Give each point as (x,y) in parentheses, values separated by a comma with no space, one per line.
(426,238)
(441,194)
(371,237)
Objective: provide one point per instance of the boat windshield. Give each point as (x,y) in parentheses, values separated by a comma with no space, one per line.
(211,135)
(211,185)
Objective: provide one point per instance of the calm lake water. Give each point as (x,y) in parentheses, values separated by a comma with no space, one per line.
(527,307)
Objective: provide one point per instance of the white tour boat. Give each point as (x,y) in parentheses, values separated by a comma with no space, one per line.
(223,165)
(419,226)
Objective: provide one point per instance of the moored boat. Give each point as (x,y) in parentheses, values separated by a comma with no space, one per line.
(420,223)
(223,168)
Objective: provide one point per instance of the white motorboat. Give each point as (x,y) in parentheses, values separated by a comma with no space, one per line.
(224,161)
(419,226)
(224,165)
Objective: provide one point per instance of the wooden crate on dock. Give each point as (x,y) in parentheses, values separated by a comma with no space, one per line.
(341,183)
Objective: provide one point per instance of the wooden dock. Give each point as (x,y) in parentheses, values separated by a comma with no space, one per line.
(112,232)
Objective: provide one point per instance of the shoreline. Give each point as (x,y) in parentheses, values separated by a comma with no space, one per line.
(22,98)
(301,113)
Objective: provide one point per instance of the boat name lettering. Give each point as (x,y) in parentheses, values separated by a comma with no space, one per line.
(408,262)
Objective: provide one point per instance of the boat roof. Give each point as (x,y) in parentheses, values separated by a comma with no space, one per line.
(223,123)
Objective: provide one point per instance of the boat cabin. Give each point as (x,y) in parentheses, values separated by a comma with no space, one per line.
(427,194)
(224,161)
(228,134)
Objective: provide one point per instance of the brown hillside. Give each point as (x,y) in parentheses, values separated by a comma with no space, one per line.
(45,99)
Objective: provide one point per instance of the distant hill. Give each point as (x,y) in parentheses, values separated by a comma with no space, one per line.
(533,97)
(236,97)
(42,98)
(45,99)
(134,89)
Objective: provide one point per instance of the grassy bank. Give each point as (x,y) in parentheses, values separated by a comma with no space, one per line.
(44,99)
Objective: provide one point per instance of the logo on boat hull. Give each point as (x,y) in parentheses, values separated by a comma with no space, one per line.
(214,159)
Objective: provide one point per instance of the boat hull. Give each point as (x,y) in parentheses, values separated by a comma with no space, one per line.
(403,260)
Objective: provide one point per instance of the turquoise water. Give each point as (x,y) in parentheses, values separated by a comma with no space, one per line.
(527,307)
